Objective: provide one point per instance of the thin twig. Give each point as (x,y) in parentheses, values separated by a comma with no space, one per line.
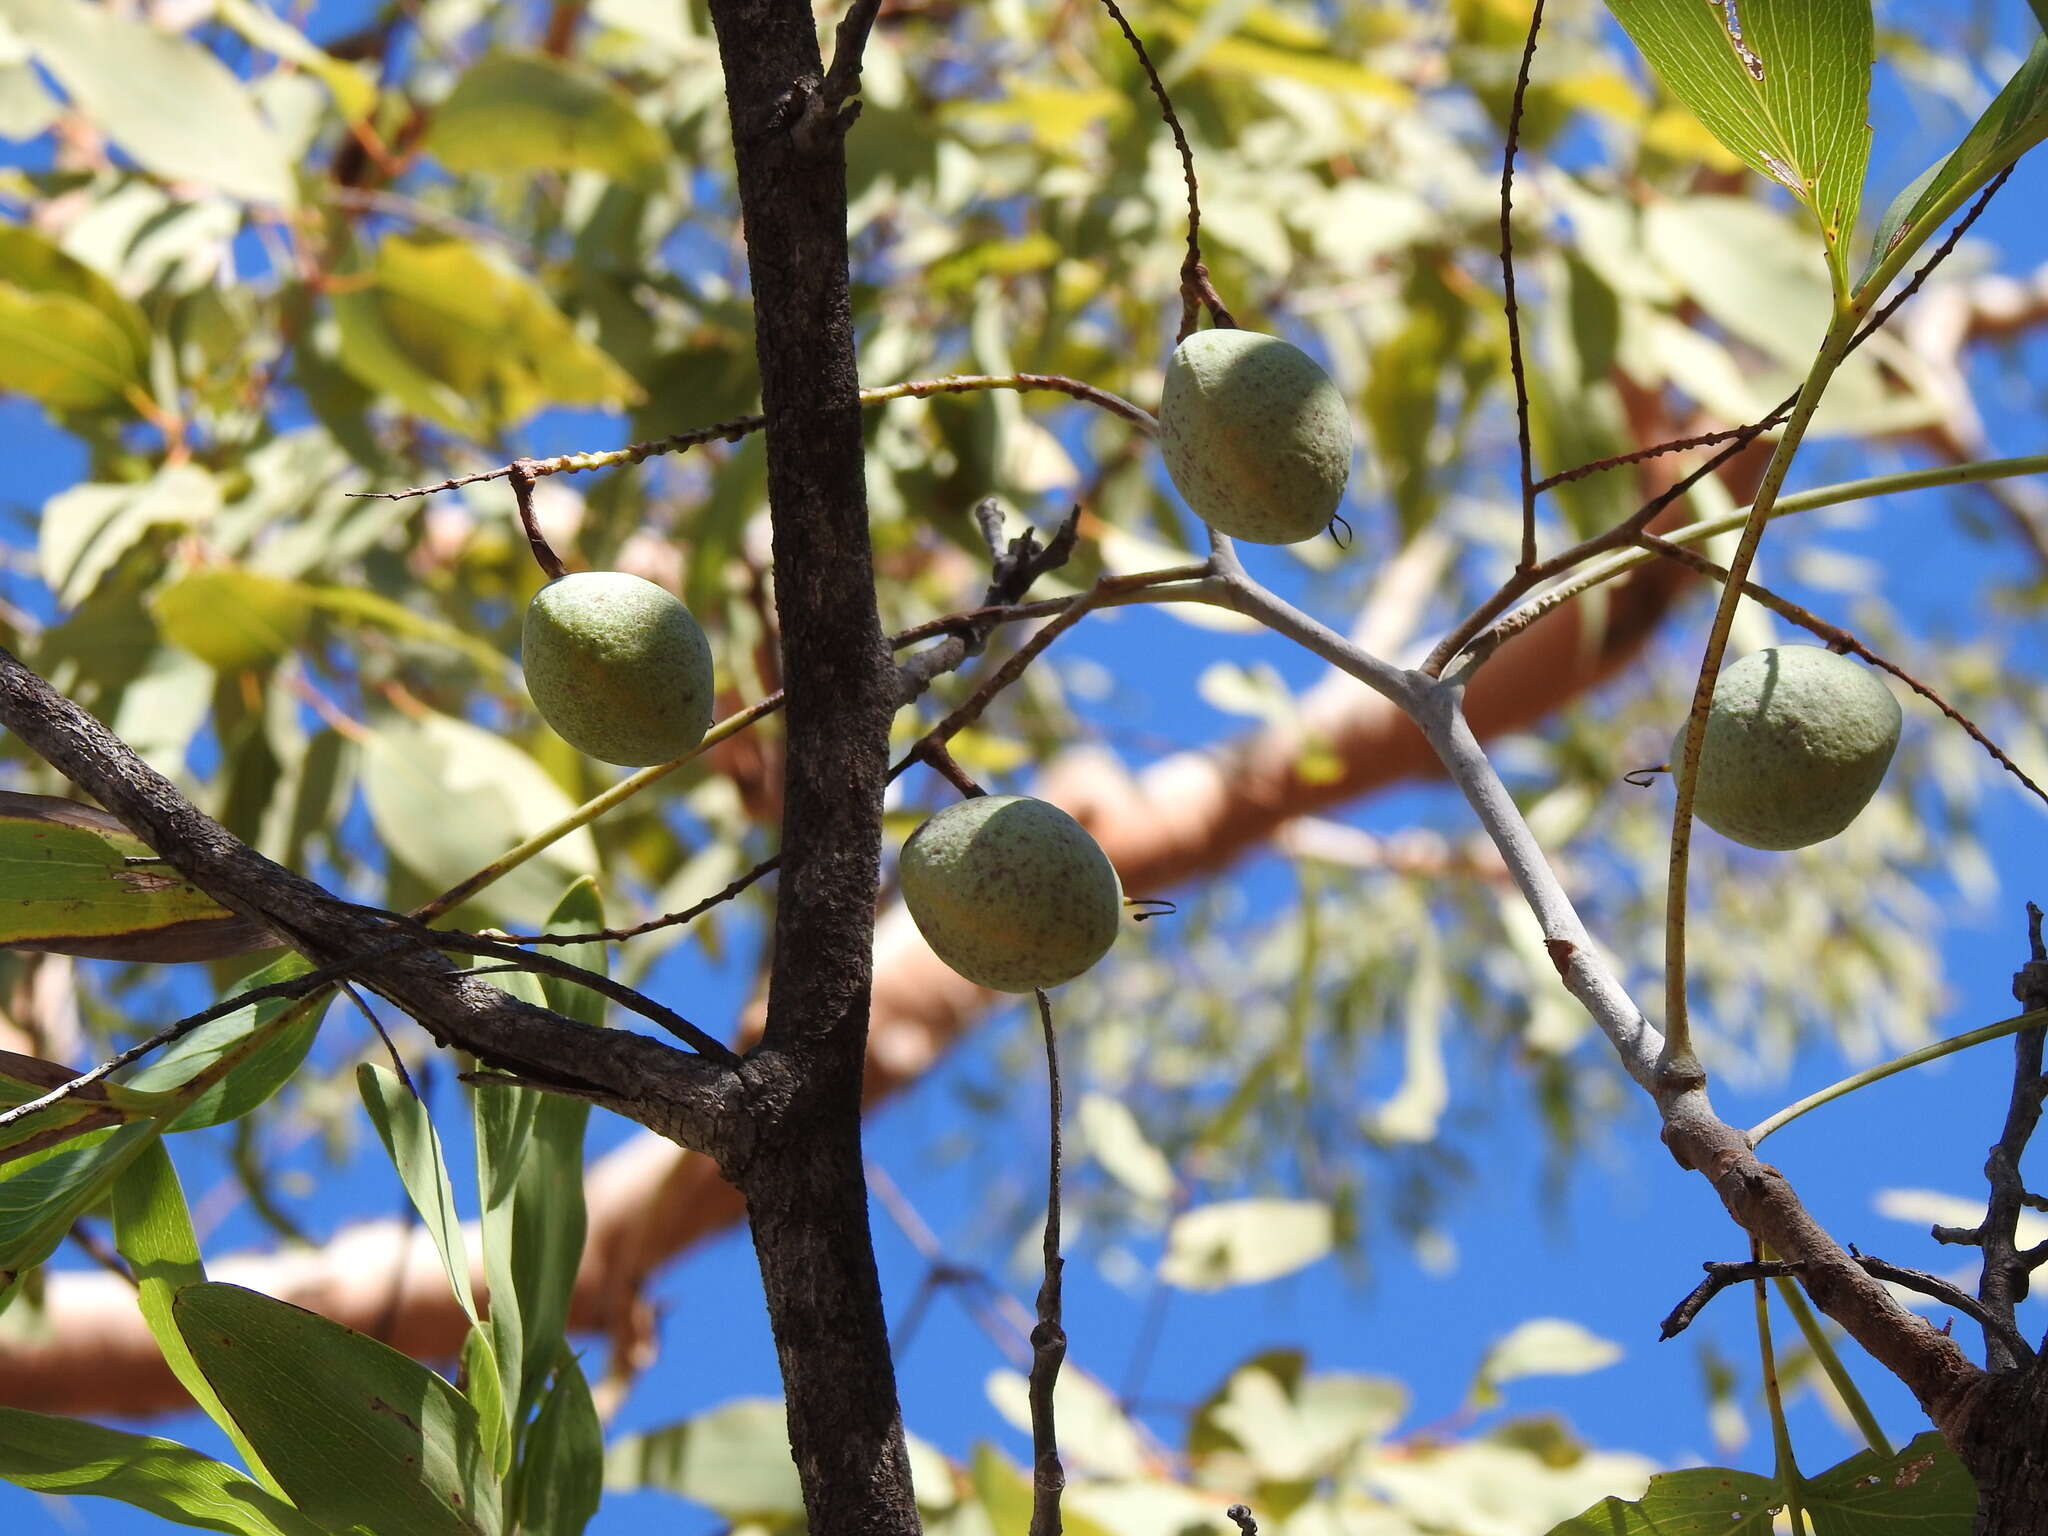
(1240,1515)
(520,473)
(1195,288)
(666,920)
(738,427)
(1840,639)
(1049,1338)
(296,986)
(2005,1279)
(1720,1275)
(1507,274)
(2002,1330)
(849,44)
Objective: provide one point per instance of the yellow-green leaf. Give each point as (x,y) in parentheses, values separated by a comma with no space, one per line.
(231,619)
(519,113)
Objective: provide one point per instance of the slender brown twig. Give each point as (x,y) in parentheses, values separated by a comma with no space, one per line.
(1507,275)
(1049,1337)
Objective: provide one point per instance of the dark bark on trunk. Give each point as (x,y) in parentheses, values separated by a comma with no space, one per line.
(2004,1443)
(806,1195)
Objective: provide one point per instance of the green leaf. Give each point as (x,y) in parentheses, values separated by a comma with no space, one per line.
(485,1388)
(1804,122)
(86,530)
(2015,122)
(453,334)
(448,797)
(359,605)
(733,1460)
(1700,1501)
(1244,1242)
(1543,1346)
(407,1132)
(228,1067)
(1921,1491)
(171,1481)
(72,891)
(153,1232)
(31,267)
(561,1475)
(353,88)
(167,101)
(519,113)
(231,619)
(358,1434)
(43,1194)
(530,1176)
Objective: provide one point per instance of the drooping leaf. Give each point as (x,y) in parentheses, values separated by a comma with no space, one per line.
(353,88)
(485,1389)
(85,530)
(454,334)
(67,337)
(734,1460)
(153,1232)
(1923,1490)
(448,797)
(1784,84)
(1244,1242)
(2015,122)
(358,1434)
(228,1067)
(72,891)
(519,113)
(407,1132)
(67,1457)
(43,1194)
(1700,1501)
(231,619)
(167,101)
(561,1474)
(1543,1346)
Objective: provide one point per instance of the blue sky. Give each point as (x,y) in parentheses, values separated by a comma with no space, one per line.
(1623,1247)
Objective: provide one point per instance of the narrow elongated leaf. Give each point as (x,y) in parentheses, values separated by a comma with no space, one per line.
(408,1136)
(231,619)
(67,336)
(72,889)
(41,1196)
(1543,1346)
(153,1232)
(733,1459)
(2015,122)
(1700,1501)
(358,1434)
(164,99)
(1784,84)
(448,797)
(1923,1490)
(561,1475)
(171,1481)
(1244,1242)
(485,1389)
(228,1067)
(520,113)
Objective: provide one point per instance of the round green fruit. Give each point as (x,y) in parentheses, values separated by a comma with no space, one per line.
(1255,436)
(618,668)
(1798,739)
(1011,892)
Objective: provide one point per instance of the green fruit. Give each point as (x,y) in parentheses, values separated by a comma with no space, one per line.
(1798,739)
(1011,892)
(618,668)
(1255,436)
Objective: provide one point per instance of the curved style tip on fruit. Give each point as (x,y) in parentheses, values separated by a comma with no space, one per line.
(1798,739)
(1011,892)
(1255,435)
(618,668)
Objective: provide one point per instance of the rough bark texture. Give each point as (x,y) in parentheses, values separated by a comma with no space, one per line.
(2004,1443)
(805,1188)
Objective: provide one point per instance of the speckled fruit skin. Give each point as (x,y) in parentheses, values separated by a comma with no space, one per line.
(618,668)
(1011,892)
(1255,436)
(1797,741)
